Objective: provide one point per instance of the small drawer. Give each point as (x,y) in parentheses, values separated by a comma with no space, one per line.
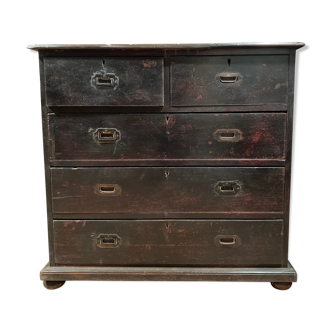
(135,192)
(229,80)
(109,81)
(169,242)
(124,139)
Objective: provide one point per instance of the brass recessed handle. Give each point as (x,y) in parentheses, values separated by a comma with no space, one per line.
(105,81)
(102,80)
(108,241)
(227,135)
(228,187)
(229,78)
(107,135)
(107,189)
(228,241)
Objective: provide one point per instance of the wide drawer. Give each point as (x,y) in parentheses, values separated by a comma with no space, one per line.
(229,80)
(135,192)
(197,138)
(169,242)
(125,81)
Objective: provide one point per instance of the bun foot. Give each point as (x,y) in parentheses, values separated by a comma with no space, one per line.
(53,284)
(281,285)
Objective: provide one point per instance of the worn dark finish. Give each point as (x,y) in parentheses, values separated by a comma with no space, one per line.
(160,191)
(229,80)
(47,153)
(257,274)
(104,81)
(170,109)
(166,54)
(197,171)
(199,138)
(170,162)
(289,140)
(169,242)
(160,215)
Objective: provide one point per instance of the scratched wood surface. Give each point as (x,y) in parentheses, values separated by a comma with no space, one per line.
(182,273)
(138,81)
(259,80)
(146,191)
(161,138)
(170,208)
(169,242)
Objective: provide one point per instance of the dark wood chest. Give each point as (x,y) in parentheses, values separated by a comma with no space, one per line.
(168,162)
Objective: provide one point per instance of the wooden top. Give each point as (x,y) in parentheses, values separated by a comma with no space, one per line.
(37,47)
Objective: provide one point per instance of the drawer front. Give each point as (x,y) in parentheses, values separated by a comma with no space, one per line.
(130,137)
(229,80)
(104,81)
(169,242)
(167,192)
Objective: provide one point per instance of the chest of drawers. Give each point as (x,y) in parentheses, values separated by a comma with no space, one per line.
(168,162)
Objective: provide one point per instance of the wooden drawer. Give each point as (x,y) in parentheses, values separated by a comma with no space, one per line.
(229,80)
(129,139)
(91,81)
(169,242)
(138,192)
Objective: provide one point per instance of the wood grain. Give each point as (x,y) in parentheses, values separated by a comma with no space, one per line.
(258,274)
(197,80)
(69,81)
(158,190)
(169,242)
(182,138)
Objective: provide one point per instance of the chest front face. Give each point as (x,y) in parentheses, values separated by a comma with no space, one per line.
(169,158)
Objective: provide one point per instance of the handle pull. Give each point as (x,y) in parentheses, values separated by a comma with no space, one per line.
(227,135)
(227,187)
(108,241)
(228,241)
(228,79)
(102,80)
(105,81)
(107,189)
(107,135)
